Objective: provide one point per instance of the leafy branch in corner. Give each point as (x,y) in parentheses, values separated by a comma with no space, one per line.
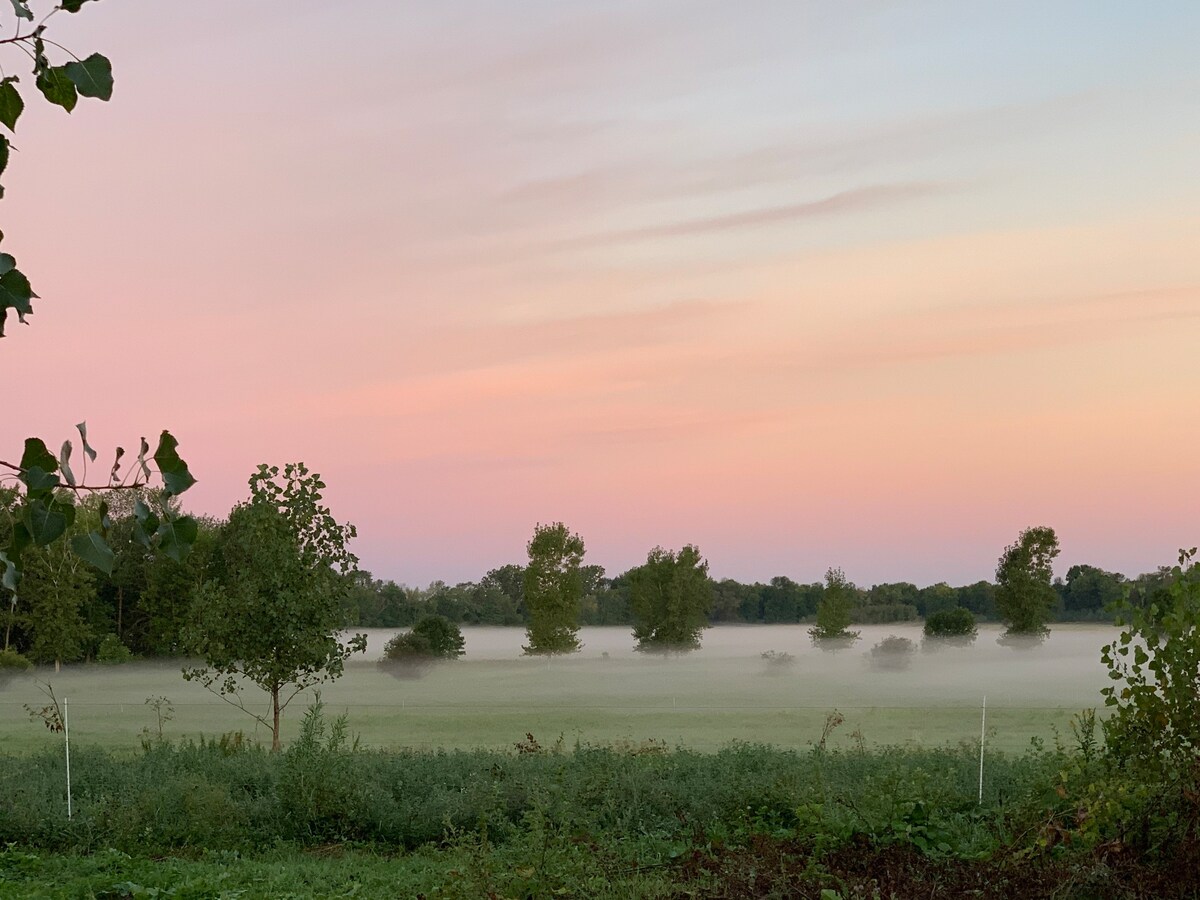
(46,510)
(62,84)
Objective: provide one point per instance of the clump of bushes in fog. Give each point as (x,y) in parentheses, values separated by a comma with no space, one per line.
(956,622)
(433,637)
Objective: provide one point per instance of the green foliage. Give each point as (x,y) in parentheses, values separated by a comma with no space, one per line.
(955,622)
(47,509)
(1024,593)
(12,661)
(834,611)
(178,796)
(670,597)
(433,637)
(1156,661)
(272,611)
(1089,592)
(112,652)
(553,589)
(56,585)
(61,85)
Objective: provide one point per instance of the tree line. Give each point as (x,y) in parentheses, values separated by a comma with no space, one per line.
(66,609)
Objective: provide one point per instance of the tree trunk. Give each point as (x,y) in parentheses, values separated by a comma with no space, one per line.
(12,614)
(275,721)
(120,609)
(58,665)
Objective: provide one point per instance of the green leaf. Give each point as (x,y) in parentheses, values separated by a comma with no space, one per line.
(12,572)
(174,471)
(87,448)
(37,455)
(7,263)
(57,87)
(72,6)
(64,463)
(4,151)
(16,293)
(141,460)
(47,521)
(146,524)
(92,548)
(11,104)
(21,8)
(92,77)
(114,476)
(177,536)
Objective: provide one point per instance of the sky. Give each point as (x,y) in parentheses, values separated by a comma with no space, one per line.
(871,285)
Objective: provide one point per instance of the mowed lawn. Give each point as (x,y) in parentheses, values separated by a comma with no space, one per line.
(607,693)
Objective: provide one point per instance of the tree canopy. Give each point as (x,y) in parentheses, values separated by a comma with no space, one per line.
(1025,595)
(553,588)
(671,597)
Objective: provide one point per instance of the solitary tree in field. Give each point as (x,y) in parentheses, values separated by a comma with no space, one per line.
(833,612)
(670,597)
(272,612)
(1024,593)
(553,585)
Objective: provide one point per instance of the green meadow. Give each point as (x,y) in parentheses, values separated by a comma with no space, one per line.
(608,694)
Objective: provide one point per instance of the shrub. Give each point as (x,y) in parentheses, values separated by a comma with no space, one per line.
(956,622)
(893,652)
(1155,661)
(433,637)
(112,652)
(12,661)
(778,661)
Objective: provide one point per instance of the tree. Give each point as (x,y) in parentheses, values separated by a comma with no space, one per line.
(272,610)
(1088,591)
(56,586)
(553,586)
(670,597)
(1024,592)
(833,613)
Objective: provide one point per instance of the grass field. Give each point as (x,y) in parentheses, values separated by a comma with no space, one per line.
(608,693)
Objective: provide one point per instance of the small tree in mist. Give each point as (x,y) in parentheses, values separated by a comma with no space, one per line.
(272,612)
(1024,593)
(833,612)
(553,586)
(670,597)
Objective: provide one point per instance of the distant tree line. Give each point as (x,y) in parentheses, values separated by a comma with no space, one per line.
(67,612)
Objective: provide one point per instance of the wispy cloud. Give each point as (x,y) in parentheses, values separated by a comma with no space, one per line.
(853,200)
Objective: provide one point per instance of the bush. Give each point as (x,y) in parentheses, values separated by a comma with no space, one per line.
(112,652)
(433,637)
(956,622)
(12,661)
(778,661)
(892,652)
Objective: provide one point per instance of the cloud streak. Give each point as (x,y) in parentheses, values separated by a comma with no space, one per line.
(864,199)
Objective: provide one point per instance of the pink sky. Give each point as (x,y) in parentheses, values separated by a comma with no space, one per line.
(804,284)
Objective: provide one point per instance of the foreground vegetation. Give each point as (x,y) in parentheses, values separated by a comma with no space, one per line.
(325,818)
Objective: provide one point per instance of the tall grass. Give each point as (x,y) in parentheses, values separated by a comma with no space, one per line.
(236,796)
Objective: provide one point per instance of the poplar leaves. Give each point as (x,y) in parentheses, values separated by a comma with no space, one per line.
(61,84)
